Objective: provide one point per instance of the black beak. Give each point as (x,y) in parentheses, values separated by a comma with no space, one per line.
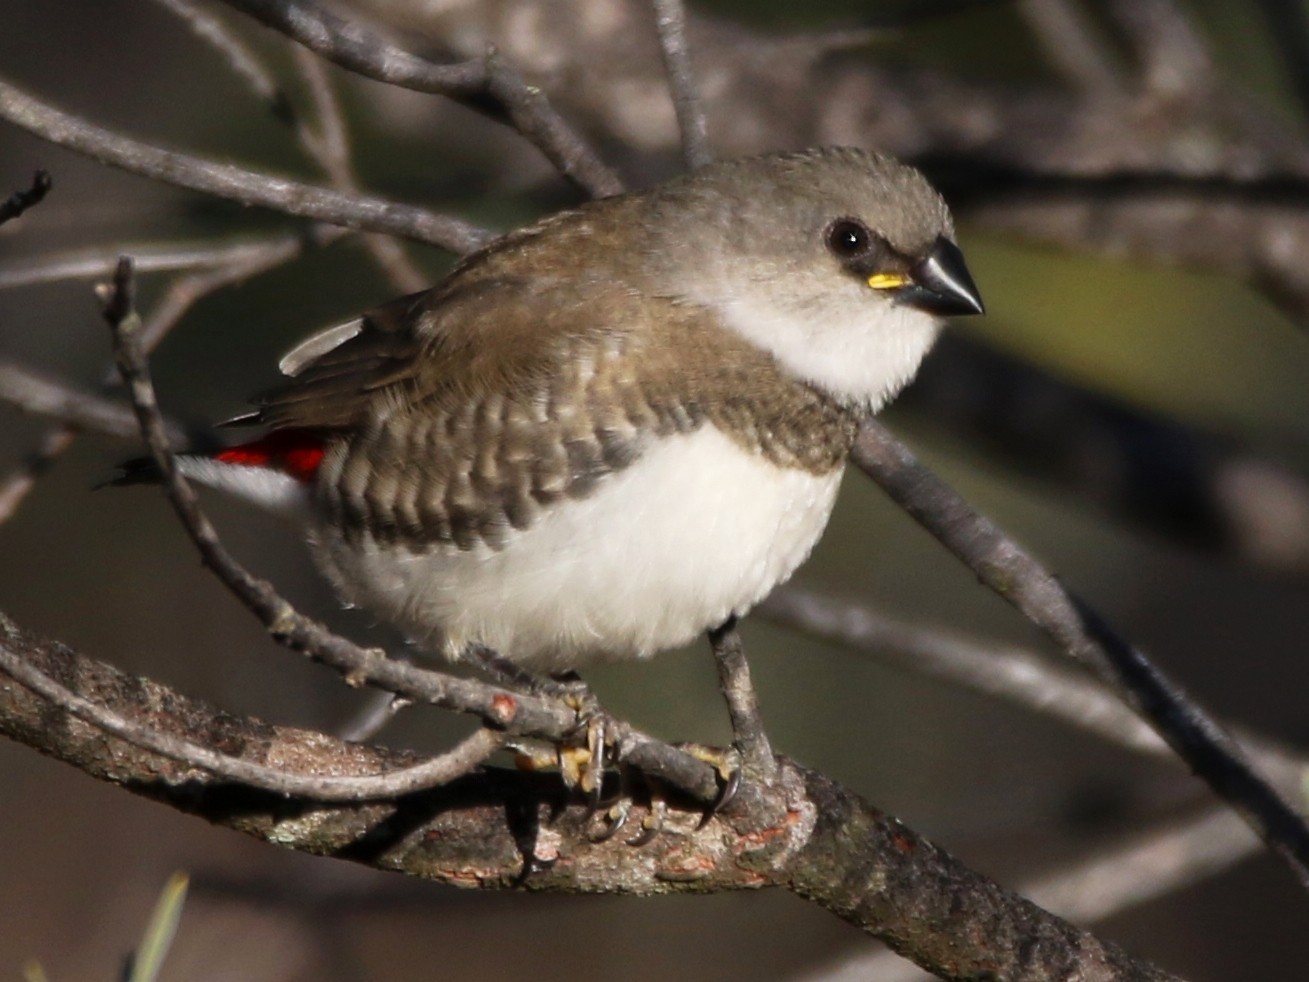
(941,283)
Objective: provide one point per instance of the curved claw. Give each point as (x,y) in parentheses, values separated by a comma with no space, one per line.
(652,825)
(727,788)
(618,815)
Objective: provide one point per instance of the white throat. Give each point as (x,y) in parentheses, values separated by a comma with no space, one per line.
(863,360)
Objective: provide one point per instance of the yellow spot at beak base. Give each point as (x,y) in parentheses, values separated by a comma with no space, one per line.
(887,281)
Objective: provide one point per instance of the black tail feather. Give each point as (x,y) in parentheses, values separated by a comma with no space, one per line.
(138,470)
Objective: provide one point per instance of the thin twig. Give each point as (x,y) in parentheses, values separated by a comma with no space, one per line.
(235,183)
(238,263)
(20,201)
(16,486)
(1017,675)
(96,263)
(1013,674)
(185,292)
(1081,633)
(32,392)
(1145,866)
(481,83)
(757,760)
(243,62)
(442,769)
(670,18)
(330,147)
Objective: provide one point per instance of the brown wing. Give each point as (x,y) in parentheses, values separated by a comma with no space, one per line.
(399,353)
(465,412)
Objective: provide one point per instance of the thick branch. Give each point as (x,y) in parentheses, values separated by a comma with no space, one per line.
(504,830)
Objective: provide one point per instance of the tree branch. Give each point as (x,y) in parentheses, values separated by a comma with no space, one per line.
(32,392)
(498,829)
(1082,634)
(670,18)
(248,187)
(483,83)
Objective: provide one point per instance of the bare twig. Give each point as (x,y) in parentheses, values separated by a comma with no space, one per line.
(1150,864)
(1081,633)
(20,201)
(330,146)
(149,258)
(243,62)
(1010,673)
(1017,675)
(32,392)
(670,18)
(477,83)
(16,486)
(225,181)
(439,770)
(185,292)
(237,263)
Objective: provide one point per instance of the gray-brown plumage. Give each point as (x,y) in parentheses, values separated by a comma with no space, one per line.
(513,398)
(609,431)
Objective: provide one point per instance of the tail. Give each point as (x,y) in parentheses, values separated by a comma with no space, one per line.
(275,472)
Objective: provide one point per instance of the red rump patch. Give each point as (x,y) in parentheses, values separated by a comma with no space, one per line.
(294,452)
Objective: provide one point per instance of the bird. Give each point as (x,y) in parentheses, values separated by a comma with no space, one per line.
(607,433)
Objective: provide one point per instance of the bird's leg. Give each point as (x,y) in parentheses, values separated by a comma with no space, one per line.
(748,734)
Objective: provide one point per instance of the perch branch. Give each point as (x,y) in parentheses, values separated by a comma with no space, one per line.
(1081,633)
(498,829)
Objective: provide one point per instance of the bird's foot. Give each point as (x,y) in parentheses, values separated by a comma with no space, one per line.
(616,817)
(586,752)
(726,762)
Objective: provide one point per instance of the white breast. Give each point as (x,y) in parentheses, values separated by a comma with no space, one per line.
(694,531)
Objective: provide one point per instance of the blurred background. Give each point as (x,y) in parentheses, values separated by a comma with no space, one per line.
(1112,377)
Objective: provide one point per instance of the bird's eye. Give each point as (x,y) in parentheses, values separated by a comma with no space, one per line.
(847,237)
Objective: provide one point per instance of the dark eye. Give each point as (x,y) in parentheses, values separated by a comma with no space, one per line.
(847,238)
